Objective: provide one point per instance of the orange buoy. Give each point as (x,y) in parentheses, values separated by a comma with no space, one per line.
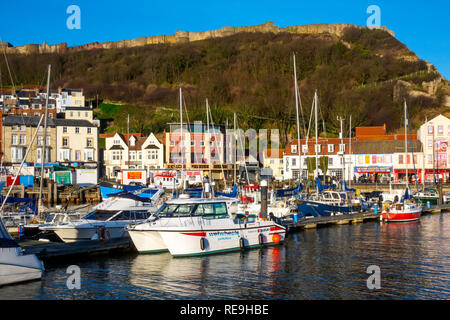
(276,238)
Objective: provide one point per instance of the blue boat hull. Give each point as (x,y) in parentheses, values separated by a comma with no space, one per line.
(318,209)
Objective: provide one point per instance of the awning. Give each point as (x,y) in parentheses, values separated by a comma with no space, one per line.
(373,169)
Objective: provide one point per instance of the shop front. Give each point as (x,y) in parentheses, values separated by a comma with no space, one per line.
(373,174)
(400,176)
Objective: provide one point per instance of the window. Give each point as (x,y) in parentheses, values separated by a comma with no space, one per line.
(440,130)
(64,129)
(342,147)
(65,142)
(430,143)
(400,159)
(77,155)
(305,148)
(89,142)
(89,130)
(294,162)
(77,130)
(88,155)
(317,148)
(22,128)
(331,148)
(430,129)
(293,148)
(64,154)
(211,210)
(22,139)
(430,159)
(116,142)
(14,139)
(40,140)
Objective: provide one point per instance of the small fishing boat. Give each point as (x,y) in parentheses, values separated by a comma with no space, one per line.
(189,227)
(403,211)
(429,195)
(109,218)
(14,265)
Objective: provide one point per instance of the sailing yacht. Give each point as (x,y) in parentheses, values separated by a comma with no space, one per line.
(14,265)
(406,209)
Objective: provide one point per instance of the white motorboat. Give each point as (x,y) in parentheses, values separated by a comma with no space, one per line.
(188,227)
(109,218)
(14,265)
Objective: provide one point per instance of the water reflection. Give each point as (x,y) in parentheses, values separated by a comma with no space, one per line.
(323,263)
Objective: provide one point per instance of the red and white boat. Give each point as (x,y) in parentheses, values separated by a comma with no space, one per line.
(401,212)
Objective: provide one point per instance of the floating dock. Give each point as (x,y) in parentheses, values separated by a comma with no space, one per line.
(50,250)
(314,222)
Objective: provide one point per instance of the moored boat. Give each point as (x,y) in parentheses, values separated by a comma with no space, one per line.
(189,227)
(14,265)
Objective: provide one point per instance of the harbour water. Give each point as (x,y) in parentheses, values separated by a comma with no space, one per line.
(325,263)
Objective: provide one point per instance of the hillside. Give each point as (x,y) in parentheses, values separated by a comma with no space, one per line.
(362,72)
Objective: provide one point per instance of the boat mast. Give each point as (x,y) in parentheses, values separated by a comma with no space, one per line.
(350,151)
(298,123)
(44,142)
(181,134)
(343,153)
(234,147)
(208,139)
(315,147)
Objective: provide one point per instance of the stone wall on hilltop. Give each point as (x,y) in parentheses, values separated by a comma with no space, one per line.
(182,37)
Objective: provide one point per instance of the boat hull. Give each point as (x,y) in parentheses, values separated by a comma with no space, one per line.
(81,234)
(393,216)
(317,209)
(195,242)
(147,241)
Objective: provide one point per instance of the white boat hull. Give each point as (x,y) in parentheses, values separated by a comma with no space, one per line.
(15,267)
(80,234)
(189,242)
(147,241)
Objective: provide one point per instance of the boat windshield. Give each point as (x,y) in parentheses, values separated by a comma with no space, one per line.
(335,195)
(101,215)
(50,218)
(177,210)
(131,215)
(216,210)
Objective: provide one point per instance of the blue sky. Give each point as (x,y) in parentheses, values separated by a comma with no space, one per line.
(424,26)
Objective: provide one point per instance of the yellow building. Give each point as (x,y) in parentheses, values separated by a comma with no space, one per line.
(17,134)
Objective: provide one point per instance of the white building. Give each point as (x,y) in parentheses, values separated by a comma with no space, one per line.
(123,151)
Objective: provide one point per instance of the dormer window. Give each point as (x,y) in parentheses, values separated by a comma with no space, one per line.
(132,141)
(293,148)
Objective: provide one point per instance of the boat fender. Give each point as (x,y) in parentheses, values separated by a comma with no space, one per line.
(276,238)
(202,243)
(260,239)
(241,243)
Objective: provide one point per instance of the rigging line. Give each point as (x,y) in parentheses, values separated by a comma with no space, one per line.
(215,140)
(187,115)
(7,66)
(245,163)
(301,109)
